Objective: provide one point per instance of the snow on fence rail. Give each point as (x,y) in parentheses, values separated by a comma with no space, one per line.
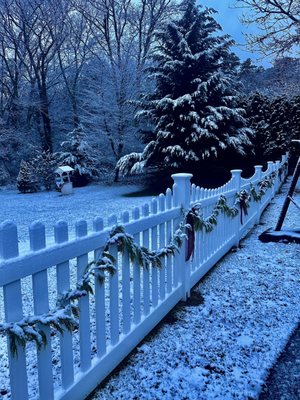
(126,305)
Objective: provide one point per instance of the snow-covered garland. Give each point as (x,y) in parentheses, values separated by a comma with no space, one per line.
(66,313)
(263,186)
(196,221)
(200,223)
(244,197)
(30,328)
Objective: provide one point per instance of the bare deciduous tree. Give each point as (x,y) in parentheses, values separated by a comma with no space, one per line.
(39,27)
(123,32)
(279,24)
(73,55)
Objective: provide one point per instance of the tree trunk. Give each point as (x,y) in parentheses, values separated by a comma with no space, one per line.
(44,109)
(117,175)
(76,118)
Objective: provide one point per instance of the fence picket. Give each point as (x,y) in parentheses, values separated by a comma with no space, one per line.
(13,312)
(193,193)
(136,276)
(168,238)
(84,314)
(198,193)
(63,284)
(114,292)
(176,221)
(41,306)
(154,271)
(99,297)
(162,243)
(146,273)
(126,283)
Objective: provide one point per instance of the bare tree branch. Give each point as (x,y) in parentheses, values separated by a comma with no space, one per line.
(279,24)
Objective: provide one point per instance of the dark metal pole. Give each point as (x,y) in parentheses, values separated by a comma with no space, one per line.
(288,197)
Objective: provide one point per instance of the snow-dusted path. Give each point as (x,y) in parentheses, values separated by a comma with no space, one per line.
(283,383)
(222,348)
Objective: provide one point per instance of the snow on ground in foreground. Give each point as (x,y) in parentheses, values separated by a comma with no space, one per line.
(223,348)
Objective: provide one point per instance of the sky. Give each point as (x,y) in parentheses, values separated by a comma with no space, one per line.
(228,18)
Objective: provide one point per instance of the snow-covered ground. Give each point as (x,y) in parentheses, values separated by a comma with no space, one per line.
(49,207)
(220,349)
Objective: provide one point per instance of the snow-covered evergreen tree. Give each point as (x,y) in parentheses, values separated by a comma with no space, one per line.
(257,108)
(193,108)
(78,154)
(275,122)
(44,164)
(295,118)
(279,133)
(26,180)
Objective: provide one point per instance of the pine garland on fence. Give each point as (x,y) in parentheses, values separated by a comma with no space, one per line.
(65,316)
(207,224)
(263,185)
(243,200)
(30,327)
(196,222)
(66,313)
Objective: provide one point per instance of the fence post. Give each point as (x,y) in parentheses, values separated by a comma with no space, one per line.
(277,180)
(183,198)
(237,180)
(258,174)
(271,169)
(13,312)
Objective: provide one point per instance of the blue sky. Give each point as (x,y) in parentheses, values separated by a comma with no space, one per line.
(228,18)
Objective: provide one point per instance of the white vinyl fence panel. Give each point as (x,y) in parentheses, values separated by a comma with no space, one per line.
(126,305)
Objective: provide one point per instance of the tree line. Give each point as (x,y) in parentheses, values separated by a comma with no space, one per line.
(71,63)
(85,82)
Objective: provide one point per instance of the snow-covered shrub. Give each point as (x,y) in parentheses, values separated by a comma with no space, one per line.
(78,154)
(27,181)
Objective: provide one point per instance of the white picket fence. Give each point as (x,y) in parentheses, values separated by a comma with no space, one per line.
(128,304)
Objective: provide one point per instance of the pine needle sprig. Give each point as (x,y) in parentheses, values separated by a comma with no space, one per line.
(263,186)
(31,328)
(208,223)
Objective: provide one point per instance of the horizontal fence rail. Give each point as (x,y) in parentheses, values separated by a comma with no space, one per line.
(119,308)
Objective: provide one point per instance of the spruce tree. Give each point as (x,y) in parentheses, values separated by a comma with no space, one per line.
(194,106)
(78,154)
(44,164)
(26,180)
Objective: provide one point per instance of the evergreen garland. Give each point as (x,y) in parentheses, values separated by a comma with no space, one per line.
(243,199)
(263,186)
(30,328)
(208,223)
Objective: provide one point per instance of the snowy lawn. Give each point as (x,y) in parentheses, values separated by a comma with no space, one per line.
(50,207)
(222,348)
